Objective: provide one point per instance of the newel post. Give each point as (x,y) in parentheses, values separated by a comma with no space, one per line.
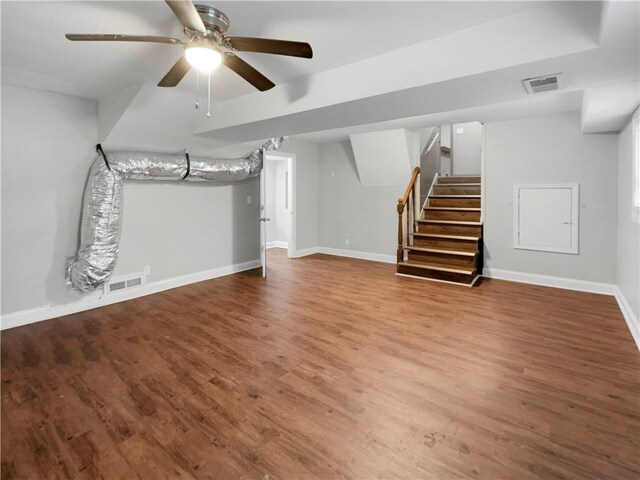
(400,253)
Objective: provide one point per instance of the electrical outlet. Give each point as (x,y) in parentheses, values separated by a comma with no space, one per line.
(249,199)
(147,270)
(346,241)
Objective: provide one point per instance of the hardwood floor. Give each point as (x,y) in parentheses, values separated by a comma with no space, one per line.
(333,368)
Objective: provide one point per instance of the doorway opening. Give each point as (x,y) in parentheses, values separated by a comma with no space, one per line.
(278,198)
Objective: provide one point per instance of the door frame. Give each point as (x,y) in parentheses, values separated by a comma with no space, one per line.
(292,187)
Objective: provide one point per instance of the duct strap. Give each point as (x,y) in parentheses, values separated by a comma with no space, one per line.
(186,174)
(104,157)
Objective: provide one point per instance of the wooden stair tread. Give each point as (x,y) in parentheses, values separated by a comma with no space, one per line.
(445,247)
(439,250)
(449,222)
(455,209)
(455,196)
(439,267)
(457,185)
(455,177)
(450,237)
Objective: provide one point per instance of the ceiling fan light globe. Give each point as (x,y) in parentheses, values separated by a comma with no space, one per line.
(203,59)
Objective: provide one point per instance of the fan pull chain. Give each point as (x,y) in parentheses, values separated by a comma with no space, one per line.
(197,88)
(209,97)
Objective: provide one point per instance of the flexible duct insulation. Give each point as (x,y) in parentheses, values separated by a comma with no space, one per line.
(102,205)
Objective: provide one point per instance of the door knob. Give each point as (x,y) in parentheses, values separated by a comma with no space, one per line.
(264,219)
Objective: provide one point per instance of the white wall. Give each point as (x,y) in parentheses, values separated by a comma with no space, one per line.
(48,142)
(628,260)
(551,149)
(385,157)
(307,191)
(467,148)
(445,135)
(366,215)
(270,168)
(283,217)
(276,202)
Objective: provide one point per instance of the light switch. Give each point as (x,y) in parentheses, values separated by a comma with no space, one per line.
(459,131)
(249,199)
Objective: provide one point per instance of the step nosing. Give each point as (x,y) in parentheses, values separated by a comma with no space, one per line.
(437,268)
(440,235)
(470,184)
(451,222)
(455,196)
(455,209)
(443,251)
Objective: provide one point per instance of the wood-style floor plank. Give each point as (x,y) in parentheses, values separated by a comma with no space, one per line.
(332,368)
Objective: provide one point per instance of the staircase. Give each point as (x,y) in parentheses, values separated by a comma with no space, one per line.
(442,240)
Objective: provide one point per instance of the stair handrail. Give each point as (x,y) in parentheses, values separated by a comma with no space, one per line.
(407,216)
(434,182)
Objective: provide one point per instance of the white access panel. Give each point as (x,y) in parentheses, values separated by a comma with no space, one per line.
(546,218)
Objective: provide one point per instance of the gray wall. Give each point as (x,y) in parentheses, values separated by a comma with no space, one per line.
(628,279)
(47,149)
(467,148)
(307,191)
(366,215)
(429,165)
(551,149)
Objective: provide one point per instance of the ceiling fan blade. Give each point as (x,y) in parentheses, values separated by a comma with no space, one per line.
(246,71)
(186,12)
(117,37)
(177,72)
(266,45)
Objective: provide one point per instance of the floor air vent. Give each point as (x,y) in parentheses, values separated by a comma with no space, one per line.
(543,84)
(124,283)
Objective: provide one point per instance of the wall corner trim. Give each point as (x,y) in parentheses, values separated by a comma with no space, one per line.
(47,312)
(277,244)
(632,321)
(305,252)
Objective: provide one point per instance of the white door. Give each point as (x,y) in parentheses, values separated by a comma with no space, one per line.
(263,221)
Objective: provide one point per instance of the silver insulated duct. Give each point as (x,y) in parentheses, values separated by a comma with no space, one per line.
(102,204)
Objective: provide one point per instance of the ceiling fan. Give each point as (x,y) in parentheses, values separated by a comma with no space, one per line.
(207,46)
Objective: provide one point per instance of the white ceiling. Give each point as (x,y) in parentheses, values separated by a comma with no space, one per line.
(376,65)
(339,32)
(593,44)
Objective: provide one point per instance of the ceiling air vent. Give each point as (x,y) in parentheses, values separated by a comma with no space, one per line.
(543,84)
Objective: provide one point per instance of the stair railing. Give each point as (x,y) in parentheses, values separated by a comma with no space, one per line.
(408,212)
(434,182)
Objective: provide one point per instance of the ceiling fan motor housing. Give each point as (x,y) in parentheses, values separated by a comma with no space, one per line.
(215,21)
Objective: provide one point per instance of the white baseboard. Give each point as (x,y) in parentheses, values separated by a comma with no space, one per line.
(277,244)
(550,281)
(629,316)
(375,257)
(305,251)
(25,317)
